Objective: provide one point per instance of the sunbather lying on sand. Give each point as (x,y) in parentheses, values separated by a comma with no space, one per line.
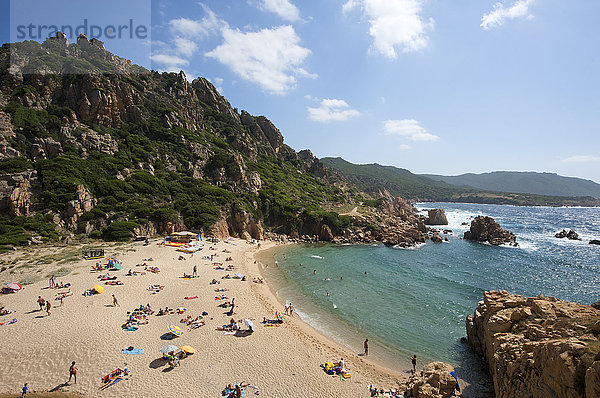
(4,311)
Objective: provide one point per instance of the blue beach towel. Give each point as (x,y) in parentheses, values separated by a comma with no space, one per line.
(134,351)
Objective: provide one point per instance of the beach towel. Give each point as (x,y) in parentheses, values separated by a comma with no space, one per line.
(14,320)
(228,333)
(131,329)
(191,298)
(135,351)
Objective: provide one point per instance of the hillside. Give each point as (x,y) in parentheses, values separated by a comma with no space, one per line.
(524,182)
(374,177)
(92,146)
(399,182)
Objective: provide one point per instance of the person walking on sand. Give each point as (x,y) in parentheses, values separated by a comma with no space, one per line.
(48,306)
(24,392)
(291,309)
(413,359)
(366,345)
(41,302)
(195,273)
(115,302)
(72,372)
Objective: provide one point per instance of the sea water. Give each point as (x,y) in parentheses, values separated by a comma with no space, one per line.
(415,301)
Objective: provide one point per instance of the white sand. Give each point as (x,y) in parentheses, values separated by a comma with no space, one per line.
(281,361)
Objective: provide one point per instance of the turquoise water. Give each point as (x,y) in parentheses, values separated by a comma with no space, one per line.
(416,300)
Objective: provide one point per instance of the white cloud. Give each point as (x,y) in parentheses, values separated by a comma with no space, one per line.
(185,33)
(190,28)
(394,25)
(170,61)
(582,159)
(271,58)
(332,110)
(404,147)
(408,128)
(185,47)
(500,14)
(284,8)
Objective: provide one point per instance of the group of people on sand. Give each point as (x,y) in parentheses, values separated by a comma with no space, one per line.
(289,309)
(44,304)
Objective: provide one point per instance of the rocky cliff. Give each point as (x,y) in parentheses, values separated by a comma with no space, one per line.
(96,145)
(538,347)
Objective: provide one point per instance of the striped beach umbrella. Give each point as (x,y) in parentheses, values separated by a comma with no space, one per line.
(176,330)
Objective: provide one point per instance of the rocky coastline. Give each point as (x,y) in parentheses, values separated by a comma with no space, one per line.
(539,347)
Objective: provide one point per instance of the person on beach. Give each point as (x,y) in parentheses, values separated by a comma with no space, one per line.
(48,306)
(291,307)
(413,359)
(287,309)
(115,302)
(24,392)
(41,302)
(366,345)
(195,273)
(72,372)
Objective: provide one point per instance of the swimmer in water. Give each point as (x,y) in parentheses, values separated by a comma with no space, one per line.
(315,272)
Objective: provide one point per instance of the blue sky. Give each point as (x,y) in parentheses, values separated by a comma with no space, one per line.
(433,86)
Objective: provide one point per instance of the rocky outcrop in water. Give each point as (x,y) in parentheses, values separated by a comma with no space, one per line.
(595,242)
(436,217)
(485,229)
(570,234)
(538,347)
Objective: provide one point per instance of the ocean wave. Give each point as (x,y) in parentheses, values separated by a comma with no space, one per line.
(315,256)
(415,247)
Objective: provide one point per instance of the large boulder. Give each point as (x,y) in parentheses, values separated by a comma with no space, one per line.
(485,229)
(570,234)
(434,381)
(538,347)
(436,217)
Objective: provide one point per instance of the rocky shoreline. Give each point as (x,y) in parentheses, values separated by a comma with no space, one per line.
(537,346)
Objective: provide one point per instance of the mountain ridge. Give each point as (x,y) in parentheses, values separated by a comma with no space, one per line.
(419,187)
(540,183)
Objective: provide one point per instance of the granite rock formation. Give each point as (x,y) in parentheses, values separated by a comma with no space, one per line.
(434,381)
(485,229)
(537,347)
(436,217)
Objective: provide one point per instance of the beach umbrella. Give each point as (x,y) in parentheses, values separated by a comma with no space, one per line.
(249,324)
(169,348)
(98,289)
(176,330)
(187,349)
(278,315)
(13,286)
(239,276)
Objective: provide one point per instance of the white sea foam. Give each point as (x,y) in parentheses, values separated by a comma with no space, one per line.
(315,256)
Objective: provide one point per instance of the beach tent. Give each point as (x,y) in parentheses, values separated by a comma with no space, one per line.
(239,276)
(187,349)
(249,324)
(169,348)
(99,289)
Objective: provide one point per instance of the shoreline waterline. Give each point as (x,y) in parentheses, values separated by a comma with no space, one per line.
(350,338)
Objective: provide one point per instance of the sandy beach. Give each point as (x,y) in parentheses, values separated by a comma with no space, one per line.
(279,361)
